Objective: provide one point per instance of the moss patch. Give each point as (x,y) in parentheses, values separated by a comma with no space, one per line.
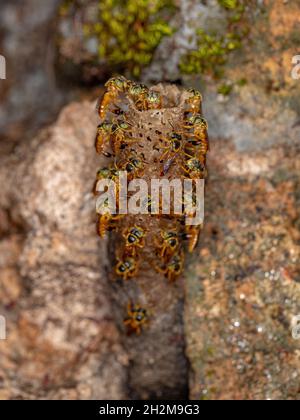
(129,32)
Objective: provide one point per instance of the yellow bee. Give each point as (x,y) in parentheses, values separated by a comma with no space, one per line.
(127,268)
(175,141)
(197,125)
(121,136)
(198,147)
(138,93)
(153,100)
(192,234)
(107,173)
(107,222)
(173,268)
(136,318)
(104,132)
(169,244)
(197,136)
(114,86)
(134,167)
(194,102)
(135,238)
(195,168)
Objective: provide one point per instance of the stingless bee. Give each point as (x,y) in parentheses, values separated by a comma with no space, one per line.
(114,86)
(136,318)
(104,132)
(134,167)
(127,268)
(197,126)
(138,93)
(173,268)
(174,147)
(192,234)
(199,136)
(169,244)
(200,147)
(153,100)
(194,102)
(106,223)
(195,168)
(121,135)
(134,238)
(107,173)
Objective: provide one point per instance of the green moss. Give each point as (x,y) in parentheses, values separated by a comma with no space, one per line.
(225,89)
(236,7)
(242,82)
(129,31)
(211,55)
(214,49)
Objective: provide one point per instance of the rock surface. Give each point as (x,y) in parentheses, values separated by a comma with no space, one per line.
(243,289)
(29,96)
(267,96)
(62,340)
(66,337)
(65,334)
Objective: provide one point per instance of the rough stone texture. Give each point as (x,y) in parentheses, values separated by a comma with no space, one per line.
(62,339)
(29,96)
(191,15)
(242,290)
(270,96)
(266,110)
(64,312)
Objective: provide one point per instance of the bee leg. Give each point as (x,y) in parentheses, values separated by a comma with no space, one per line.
(163,156)
(160,270)
(163,251)
(188,155)
(184,169)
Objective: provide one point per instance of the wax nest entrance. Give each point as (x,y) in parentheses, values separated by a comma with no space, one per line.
(149,133)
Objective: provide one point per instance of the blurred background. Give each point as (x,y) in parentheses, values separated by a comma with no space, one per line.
(232,335)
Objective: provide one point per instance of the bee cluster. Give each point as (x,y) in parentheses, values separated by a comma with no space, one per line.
(150,132)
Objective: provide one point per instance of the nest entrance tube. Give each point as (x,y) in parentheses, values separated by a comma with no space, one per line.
(149,138)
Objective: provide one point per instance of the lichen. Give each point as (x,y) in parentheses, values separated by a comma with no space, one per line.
(129,31)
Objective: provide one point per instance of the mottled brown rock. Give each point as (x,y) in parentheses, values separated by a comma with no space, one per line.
(65,337)
(62,339)
(29,96)
(243,290)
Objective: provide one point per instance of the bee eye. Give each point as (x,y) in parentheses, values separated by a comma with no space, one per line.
(122,268)
(131,239)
